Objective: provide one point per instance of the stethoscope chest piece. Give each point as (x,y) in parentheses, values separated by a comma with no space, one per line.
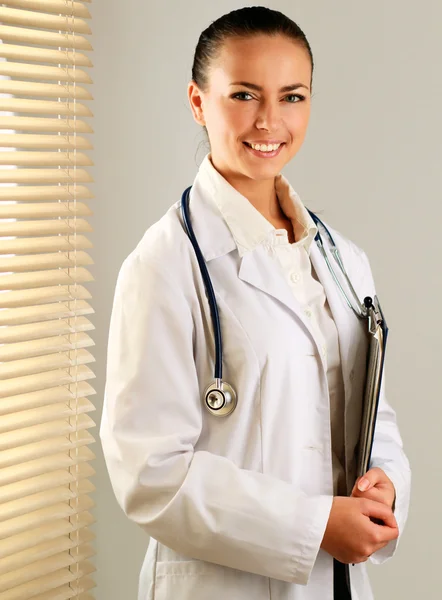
(220,398)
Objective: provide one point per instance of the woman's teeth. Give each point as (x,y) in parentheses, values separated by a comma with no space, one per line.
(264,147)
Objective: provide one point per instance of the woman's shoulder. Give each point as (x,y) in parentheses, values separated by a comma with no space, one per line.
(343,243)
(164,242)
(354,256)
(163,253)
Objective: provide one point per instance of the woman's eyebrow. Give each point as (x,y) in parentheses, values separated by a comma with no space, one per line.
(286,88)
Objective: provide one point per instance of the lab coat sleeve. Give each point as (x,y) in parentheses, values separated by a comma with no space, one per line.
(200,504)
(388,453)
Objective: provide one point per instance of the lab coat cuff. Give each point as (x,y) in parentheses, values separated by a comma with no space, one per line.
(317,513)
(401,485)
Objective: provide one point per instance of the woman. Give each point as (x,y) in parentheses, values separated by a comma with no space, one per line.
(262,503)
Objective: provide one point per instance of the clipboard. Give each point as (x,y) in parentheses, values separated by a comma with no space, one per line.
(378,332)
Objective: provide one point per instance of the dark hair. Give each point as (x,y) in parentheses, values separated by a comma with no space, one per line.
(244,22)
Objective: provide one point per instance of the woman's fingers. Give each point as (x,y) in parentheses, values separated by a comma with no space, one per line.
(380,511)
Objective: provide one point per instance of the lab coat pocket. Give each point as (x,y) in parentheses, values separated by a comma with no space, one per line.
(200,580)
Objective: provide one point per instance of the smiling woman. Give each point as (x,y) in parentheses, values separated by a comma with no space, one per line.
(248,489)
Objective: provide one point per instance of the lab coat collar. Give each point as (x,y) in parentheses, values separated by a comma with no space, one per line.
(214,236)
(216,239)
(247,226)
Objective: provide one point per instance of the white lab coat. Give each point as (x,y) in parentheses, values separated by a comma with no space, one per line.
(236,507)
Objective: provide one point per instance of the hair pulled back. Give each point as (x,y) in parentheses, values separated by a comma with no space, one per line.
(244,22)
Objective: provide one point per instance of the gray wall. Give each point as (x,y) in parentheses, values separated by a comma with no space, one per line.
(371,159)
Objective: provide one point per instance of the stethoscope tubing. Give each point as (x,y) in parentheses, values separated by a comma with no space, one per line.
(208,284)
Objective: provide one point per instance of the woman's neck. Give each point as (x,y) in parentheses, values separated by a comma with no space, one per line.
(261,194)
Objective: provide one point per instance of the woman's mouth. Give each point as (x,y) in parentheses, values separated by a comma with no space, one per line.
(264,150)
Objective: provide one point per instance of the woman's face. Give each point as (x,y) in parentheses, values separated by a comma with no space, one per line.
(258,92)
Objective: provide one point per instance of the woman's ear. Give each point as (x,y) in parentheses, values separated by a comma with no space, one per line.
(196,102)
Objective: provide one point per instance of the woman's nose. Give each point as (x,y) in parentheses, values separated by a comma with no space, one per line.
(268,116)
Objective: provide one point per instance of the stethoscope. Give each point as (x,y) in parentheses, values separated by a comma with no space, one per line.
(220,397)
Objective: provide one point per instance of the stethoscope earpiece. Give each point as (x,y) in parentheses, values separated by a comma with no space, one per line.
(220,398)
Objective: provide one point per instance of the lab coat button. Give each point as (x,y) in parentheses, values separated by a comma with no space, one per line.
(295,277)
(308,313)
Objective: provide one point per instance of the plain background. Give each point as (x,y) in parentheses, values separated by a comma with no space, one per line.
(371,162)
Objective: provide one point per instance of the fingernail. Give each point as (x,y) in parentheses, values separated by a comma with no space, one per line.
(363,485)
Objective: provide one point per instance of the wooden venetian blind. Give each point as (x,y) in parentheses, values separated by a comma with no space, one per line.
(45,455)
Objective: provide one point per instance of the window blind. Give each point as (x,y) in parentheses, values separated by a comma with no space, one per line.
(46,547)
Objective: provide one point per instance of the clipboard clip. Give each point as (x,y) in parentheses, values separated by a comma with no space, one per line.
(375,315)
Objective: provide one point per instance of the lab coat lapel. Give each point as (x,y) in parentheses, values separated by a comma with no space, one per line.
(259,269)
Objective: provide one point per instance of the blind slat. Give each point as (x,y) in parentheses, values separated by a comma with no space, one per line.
(44,142)
(47,582)
(39,381)
(53,6)
(45,346)
(42,72)
(47,464)
(45,107)
(38,314)
(13,52)
(28,18)
(34,331)
(44,159)
(42,449)
(52,412)
(43,209)
(76,590)
(32,297)
(44,550)
(44,192)
(26,228)
(21,35)
(48,90)
(44,175)
(38,262)
(22,506)
(42,124)
(46,397)
(44,566)
(46,481)
(12,441)
(44,278)
(47,532)
(36,518)
(42,364)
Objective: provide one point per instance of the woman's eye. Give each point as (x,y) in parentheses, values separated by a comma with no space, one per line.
(300,98)
(241,94)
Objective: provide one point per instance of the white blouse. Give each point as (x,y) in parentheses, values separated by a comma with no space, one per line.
(249,229)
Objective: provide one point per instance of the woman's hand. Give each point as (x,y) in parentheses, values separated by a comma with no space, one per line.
(352,534)
(375,485)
